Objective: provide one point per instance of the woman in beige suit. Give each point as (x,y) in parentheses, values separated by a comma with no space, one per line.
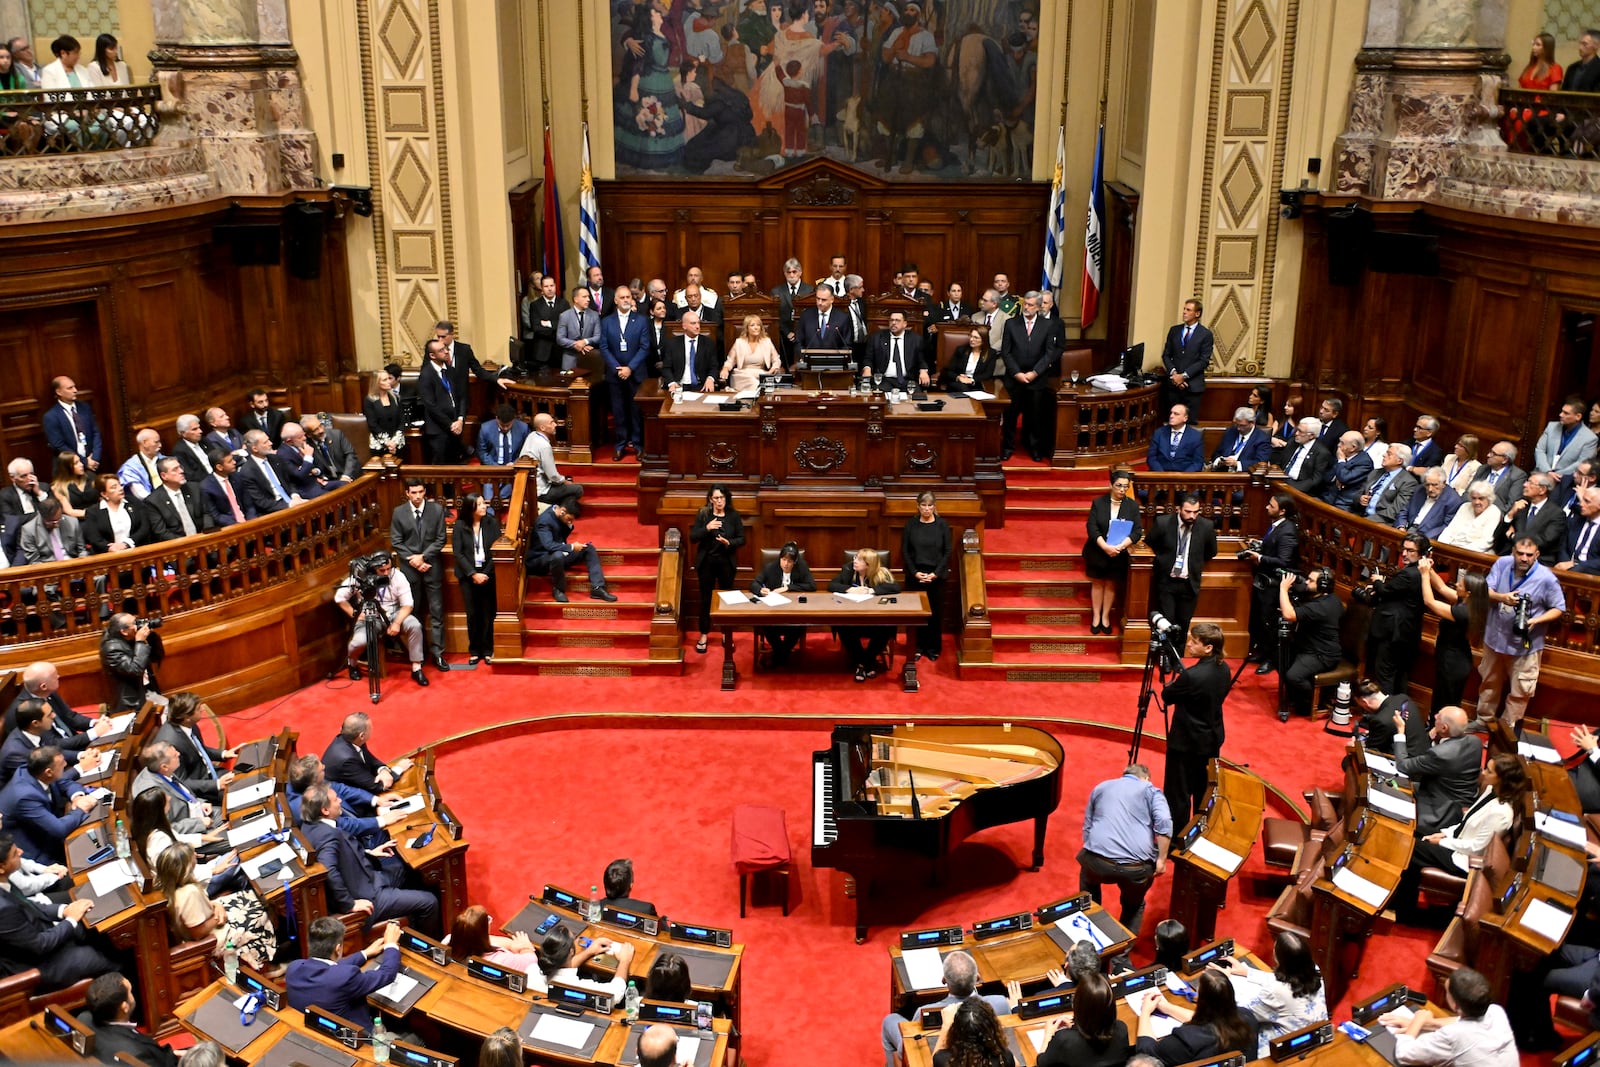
(751,356)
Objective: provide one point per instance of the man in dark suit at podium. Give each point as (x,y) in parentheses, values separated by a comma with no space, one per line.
(1185,357)
(690,360)
(1031,348)
(897,355)
(1183,544)
(824,326)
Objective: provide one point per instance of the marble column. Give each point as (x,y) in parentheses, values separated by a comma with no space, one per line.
(1424,86)
(232,76)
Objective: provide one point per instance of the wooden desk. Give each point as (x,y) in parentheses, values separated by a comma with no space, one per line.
(442,862)
(1023,957)
(821,610)
(26,1041)
(1340,921)
(1231,820)
(1506,946)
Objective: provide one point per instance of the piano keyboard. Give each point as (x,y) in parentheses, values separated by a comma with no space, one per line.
(824,820)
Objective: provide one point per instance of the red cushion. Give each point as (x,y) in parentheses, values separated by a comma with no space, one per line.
(760,839)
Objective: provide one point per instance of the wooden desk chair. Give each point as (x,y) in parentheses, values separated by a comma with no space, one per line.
(1458,945)
(1441,888)
(1284,841)
(354,427)
(1352,638)
(20,997)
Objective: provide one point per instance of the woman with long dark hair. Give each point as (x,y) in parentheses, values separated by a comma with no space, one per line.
(718,531)
(971,366)
(1105,559)
(926,546)
(475,534)
(1452,848)
(1215,1025)
(71,484)
(470,936)
(1260,401)
(1462,611)
(1541,73)
(150,834)
(970,1036)
(1288,997)
(559,959)
(1096,1037)
(107,67)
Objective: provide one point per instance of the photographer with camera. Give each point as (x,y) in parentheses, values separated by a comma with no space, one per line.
(1276,552)
(376,594)
(1395,631)
(1526,598)
(1309,604)
(129,653)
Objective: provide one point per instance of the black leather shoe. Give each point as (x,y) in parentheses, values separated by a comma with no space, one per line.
(472,661)
(600,592)
(1265,667)
(1283,714)
(1005,454)
(438,661)
(418,677)
(558,595)
(617,453)
(355,673)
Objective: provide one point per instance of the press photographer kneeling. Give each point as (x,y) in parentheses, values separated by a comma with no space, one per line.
(1315,612)
(378,598)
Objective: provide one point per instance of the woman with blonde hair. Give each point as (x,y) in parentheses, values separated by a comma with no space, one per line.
(238,918)
(751,356)
(382,410)
(865,644)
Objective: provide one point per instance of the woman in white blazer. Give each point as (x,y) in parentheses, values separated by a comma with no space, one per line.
(106,70)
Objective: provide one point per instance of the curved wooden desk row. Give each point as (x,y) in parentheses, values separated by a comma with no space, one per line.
(1212,848)
(1355,548)
(247,610)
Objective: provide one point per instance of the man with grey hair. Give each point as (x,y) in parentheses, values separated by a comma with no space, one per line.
(1445,776)
(1031,350)
(1389,488)
(1500,470)
(138,473)
(22,59)
(1127,827)
(961,984)
(1432,509)
(19,502)
(793,288)
(1144,1059)
(190,451)
(220,433)
(175,509)
(1425,449)
(1583,535)
(1306,465)
(1351,469)
(263,477)
(1535,516)
(1243,445)
(990,316)
(187,813)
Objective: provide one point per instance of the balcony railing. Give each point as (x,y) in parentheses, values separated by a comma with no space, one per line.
(37,122)
(1549,123)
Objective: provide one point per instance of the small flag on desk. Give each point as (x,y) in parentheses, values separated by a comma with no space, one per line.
(1094,253)
(554,257)
(588,213)
(1056,225)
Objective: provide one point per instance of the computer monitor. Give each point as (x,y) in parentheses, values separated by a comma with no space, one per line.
(1133,361)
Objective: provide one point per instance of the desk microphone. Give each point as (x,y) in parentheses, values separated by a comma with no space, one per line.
(1224,798)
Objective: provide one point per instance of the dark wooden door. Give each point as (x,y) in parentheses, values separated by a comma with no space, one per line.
(37,344)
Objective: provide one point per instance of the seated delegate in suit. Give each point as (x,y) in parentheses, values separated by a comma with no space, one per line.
(368,829)
(35,721)
(109,1006)
(971,366)
(1389,488)
(42,681)
(186,811)
(1351,469)
(690,360)
(896,355)
(551,552)
(1179,447)
(618,882)
(1431,509)
(1376,728)
(500,443)
(190,450)
(115,523)
(51,536)
(224,493)
(1243,445)
(864,645)
(199,764)
(357,879)
(1306,465)
(1537,516)
(1214,1026)
(1582,552)
(349,759)
(265,481)
(332,452)
(30,800)
(174,507)
(787,574)
(1444,777)
(336,983)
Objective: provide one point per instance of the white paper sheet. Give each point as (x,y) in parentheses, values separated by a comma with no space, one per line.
(1039,1036)
(691,398)
(1078,927)
(407,805)
(924,967)
(688,1048)
(716,398)
(748,394)
(1393,806)
(1396,1020)
(252,867)
(571,1033)
(1546,920)
(251,829)
(1370,893)
(108,876)
(1377,761)
(978,394)
(1162,1025)
(1560,829)
(120,723)
(775,600)
(397,990)
(855,597)
(732,596)
(1542,753)
(251,794)
(1215,854)
(1111,383)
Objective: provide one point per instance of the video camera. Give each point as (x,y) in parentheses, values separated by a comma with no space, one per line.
(364,576)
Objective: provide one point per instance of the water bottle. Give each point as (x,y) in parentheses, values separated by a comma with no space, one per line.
(230,962)
(124,849)
(380,1040)
(594,904)
(630,1003)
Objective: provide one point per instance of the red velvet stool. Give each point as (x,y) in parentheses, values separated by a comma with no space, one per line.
(760,844)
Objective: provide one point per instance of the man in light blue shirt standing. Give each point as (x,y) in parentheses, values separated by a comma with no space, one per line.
(1127,827)
(1511,655)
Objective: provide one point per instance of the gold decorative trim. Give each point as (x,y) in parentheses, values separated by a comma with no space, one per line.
(585,641)
(1045,564)
(1092,677)
(375,175)
(576,671)
(1230,124)
(442,165)
(1048,619)
(589,613)
(415,98)
(1219,71)
(1280,138)
(1069,648)
(1245,241)
(407,242)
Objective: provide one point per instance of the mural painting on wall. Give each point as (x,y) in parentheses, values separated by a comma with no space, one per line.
(931,89)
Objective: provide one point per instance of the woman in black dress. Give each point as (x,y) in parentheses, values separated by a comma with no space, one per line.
(971,366)
(970,1036)
(864,644)
(925,546)
(1214,1026)
(1462,611)
(1096,1037)
(475,534)
(786,574)
(1260,401)
(381,406)
(719,531)
(1107,561)
(72,486)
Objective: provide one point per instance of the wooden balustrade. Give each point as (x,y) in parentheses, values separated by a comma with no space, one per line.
(1095,428)
(666,635)
(1228,500)
(976,636)
(39,121)
(564,396)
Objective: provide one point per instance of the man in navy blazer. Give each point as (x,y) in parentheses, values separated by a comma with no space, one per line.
(349,760)
(1432,509)
(358,880)
(226,512)
(1425,448)
(42,681)
(329,980)
(221,433)
(625,348)
(1582,552)
(1243,445)
(69,425)
(1179,447)
(824,326)
(1185,357)
(501,441)
(1351,468)
(50,937)
(29,803)
(265,481)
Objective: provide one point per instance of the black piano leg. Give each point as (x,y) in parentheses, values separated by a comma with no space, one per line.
(1039,826)
(730,676)
(910,679)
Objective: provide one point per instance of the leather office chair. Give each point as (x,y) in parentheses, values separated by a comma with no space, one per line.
(354,427)
(1352,639)
(1284,841)
(20,997)
(770,555)
(1458,945)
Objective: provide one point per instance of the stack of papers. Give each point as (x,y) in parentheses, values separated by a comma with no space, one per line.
(688,1048)
(1039,1036)
(732,596)
(1567,832)
(1398,1017)
(397,991)
(1392,806)
(1078,927)
(978,394)
(1215,854)
(1162,1025)
(556,1030)
(774,600)
(689,398)
(1546,920)
(120,723)
(1377,761)
(924,968)
(716,398)
(1369,893)
(1543,753)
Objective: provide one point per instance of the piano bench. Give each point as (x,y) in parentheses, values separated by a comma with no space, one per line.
(760,845)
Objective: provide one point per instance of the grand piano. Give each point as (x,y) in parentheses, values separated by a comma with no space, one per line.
(880,794)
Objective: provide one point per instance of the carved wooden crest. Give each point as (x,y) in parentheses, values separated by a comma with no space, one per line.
(922,456)
(820,454)
(824,190)
(722,456)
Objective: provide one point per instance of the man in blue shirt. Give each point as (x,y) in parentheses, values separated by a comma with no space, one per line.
(336,983)
(1178,447)
(1127,827)
(1509,657)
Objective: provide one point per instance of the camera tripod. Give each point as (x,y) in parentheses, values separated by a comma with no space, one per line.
(1164,659)
(370,614)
